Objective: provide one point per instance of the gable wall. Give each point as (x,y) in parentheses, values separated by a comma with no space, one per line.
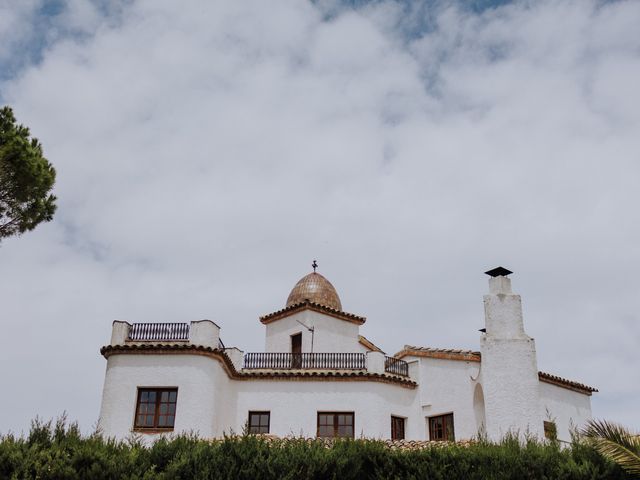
(567,408)
(330,334)
(446,386)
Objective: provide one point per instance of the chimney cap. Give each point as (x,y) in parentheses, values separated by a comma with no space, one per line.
(498,272)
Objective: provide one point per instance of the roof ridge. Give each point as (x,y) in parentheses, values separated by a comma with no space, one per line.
(313,305)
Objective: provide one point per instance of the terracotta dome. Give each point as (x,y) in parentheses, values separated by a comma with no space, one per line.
(317,289)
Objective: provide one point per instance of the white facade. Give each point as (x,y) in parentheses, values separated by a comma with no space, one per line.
(330,375)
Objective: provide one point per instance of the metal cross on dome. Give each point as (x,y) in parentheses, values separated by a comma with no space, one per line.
(314,265)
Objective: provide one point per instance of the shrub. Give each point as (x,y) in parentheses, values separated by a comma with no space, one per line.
(58,451)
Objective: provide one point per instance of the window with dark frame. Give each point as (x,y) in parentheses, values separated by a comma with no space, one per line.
(335,424)
(259,422)
(156,408)
(397,428)
(441,428)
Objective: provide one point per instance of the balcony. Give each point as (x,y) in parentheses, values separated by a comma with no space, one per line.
(158,332)
(204,333)
(305,361)
(319,361)
(396,366)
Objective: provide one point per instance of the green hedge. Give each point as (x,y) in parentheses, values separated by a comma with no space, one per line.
(60,452)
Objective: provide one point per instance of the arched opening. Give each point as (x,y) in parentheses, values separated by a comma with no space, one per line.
(478,410)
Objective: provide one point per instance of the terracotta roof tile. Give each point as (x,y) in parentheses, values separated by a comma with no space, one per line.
(563,382)
(296,307)
(391,444)
(442,353)
(369,344)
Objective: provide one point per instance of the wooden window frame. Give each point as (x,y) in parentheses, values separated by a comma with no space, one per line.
(336,425)
(447,436)
(395,435)
(259,412)
(155,428)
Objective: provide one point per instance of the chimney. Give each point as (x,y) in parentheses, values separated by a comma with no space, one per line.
(509,372)
(502,308)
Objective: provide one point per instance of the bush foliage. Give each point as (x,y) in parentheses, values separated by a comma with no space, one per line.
(58,451)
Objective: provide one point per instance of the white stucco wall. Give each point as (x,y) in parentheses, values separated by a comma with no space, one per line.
(294,405)
(203,389)
(330,334)
(446,386)
(211,404)
(567,408)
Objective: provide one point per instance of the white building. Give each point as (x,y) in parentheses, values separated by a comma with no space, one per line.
(319,377)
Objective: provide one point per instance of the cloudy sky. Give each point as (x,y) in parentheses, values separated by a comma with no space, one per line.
(207,152)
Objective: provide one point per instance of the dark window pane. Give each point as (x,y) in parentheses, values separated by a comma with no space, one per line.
(164,397)
(397,428)
(172,396)
(259,422)
(339,424)
(152,396)
(170,420)
(144,396)
(448,421)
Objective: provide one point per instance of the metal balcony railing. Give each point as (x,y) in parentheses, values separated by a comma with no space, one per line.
(396,366)
(305,361)
(141,332)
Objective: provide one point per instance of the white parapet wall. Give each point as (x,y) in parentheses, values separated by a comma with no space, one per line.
(204,333)
(236,356)
(375,362)
(119,332)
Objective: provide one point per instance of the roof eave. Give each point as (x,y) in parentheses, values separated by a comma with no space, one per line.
(316,307)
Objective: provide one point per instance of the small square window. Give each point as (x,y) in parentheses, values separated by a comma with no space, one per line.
(259,422)
(156,408)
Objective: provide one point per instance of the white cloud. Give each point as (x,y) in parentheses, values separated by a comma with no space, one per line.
(207,154)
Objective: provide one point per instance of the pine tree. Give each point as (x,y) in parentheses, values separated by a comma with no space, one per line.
(26,178)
